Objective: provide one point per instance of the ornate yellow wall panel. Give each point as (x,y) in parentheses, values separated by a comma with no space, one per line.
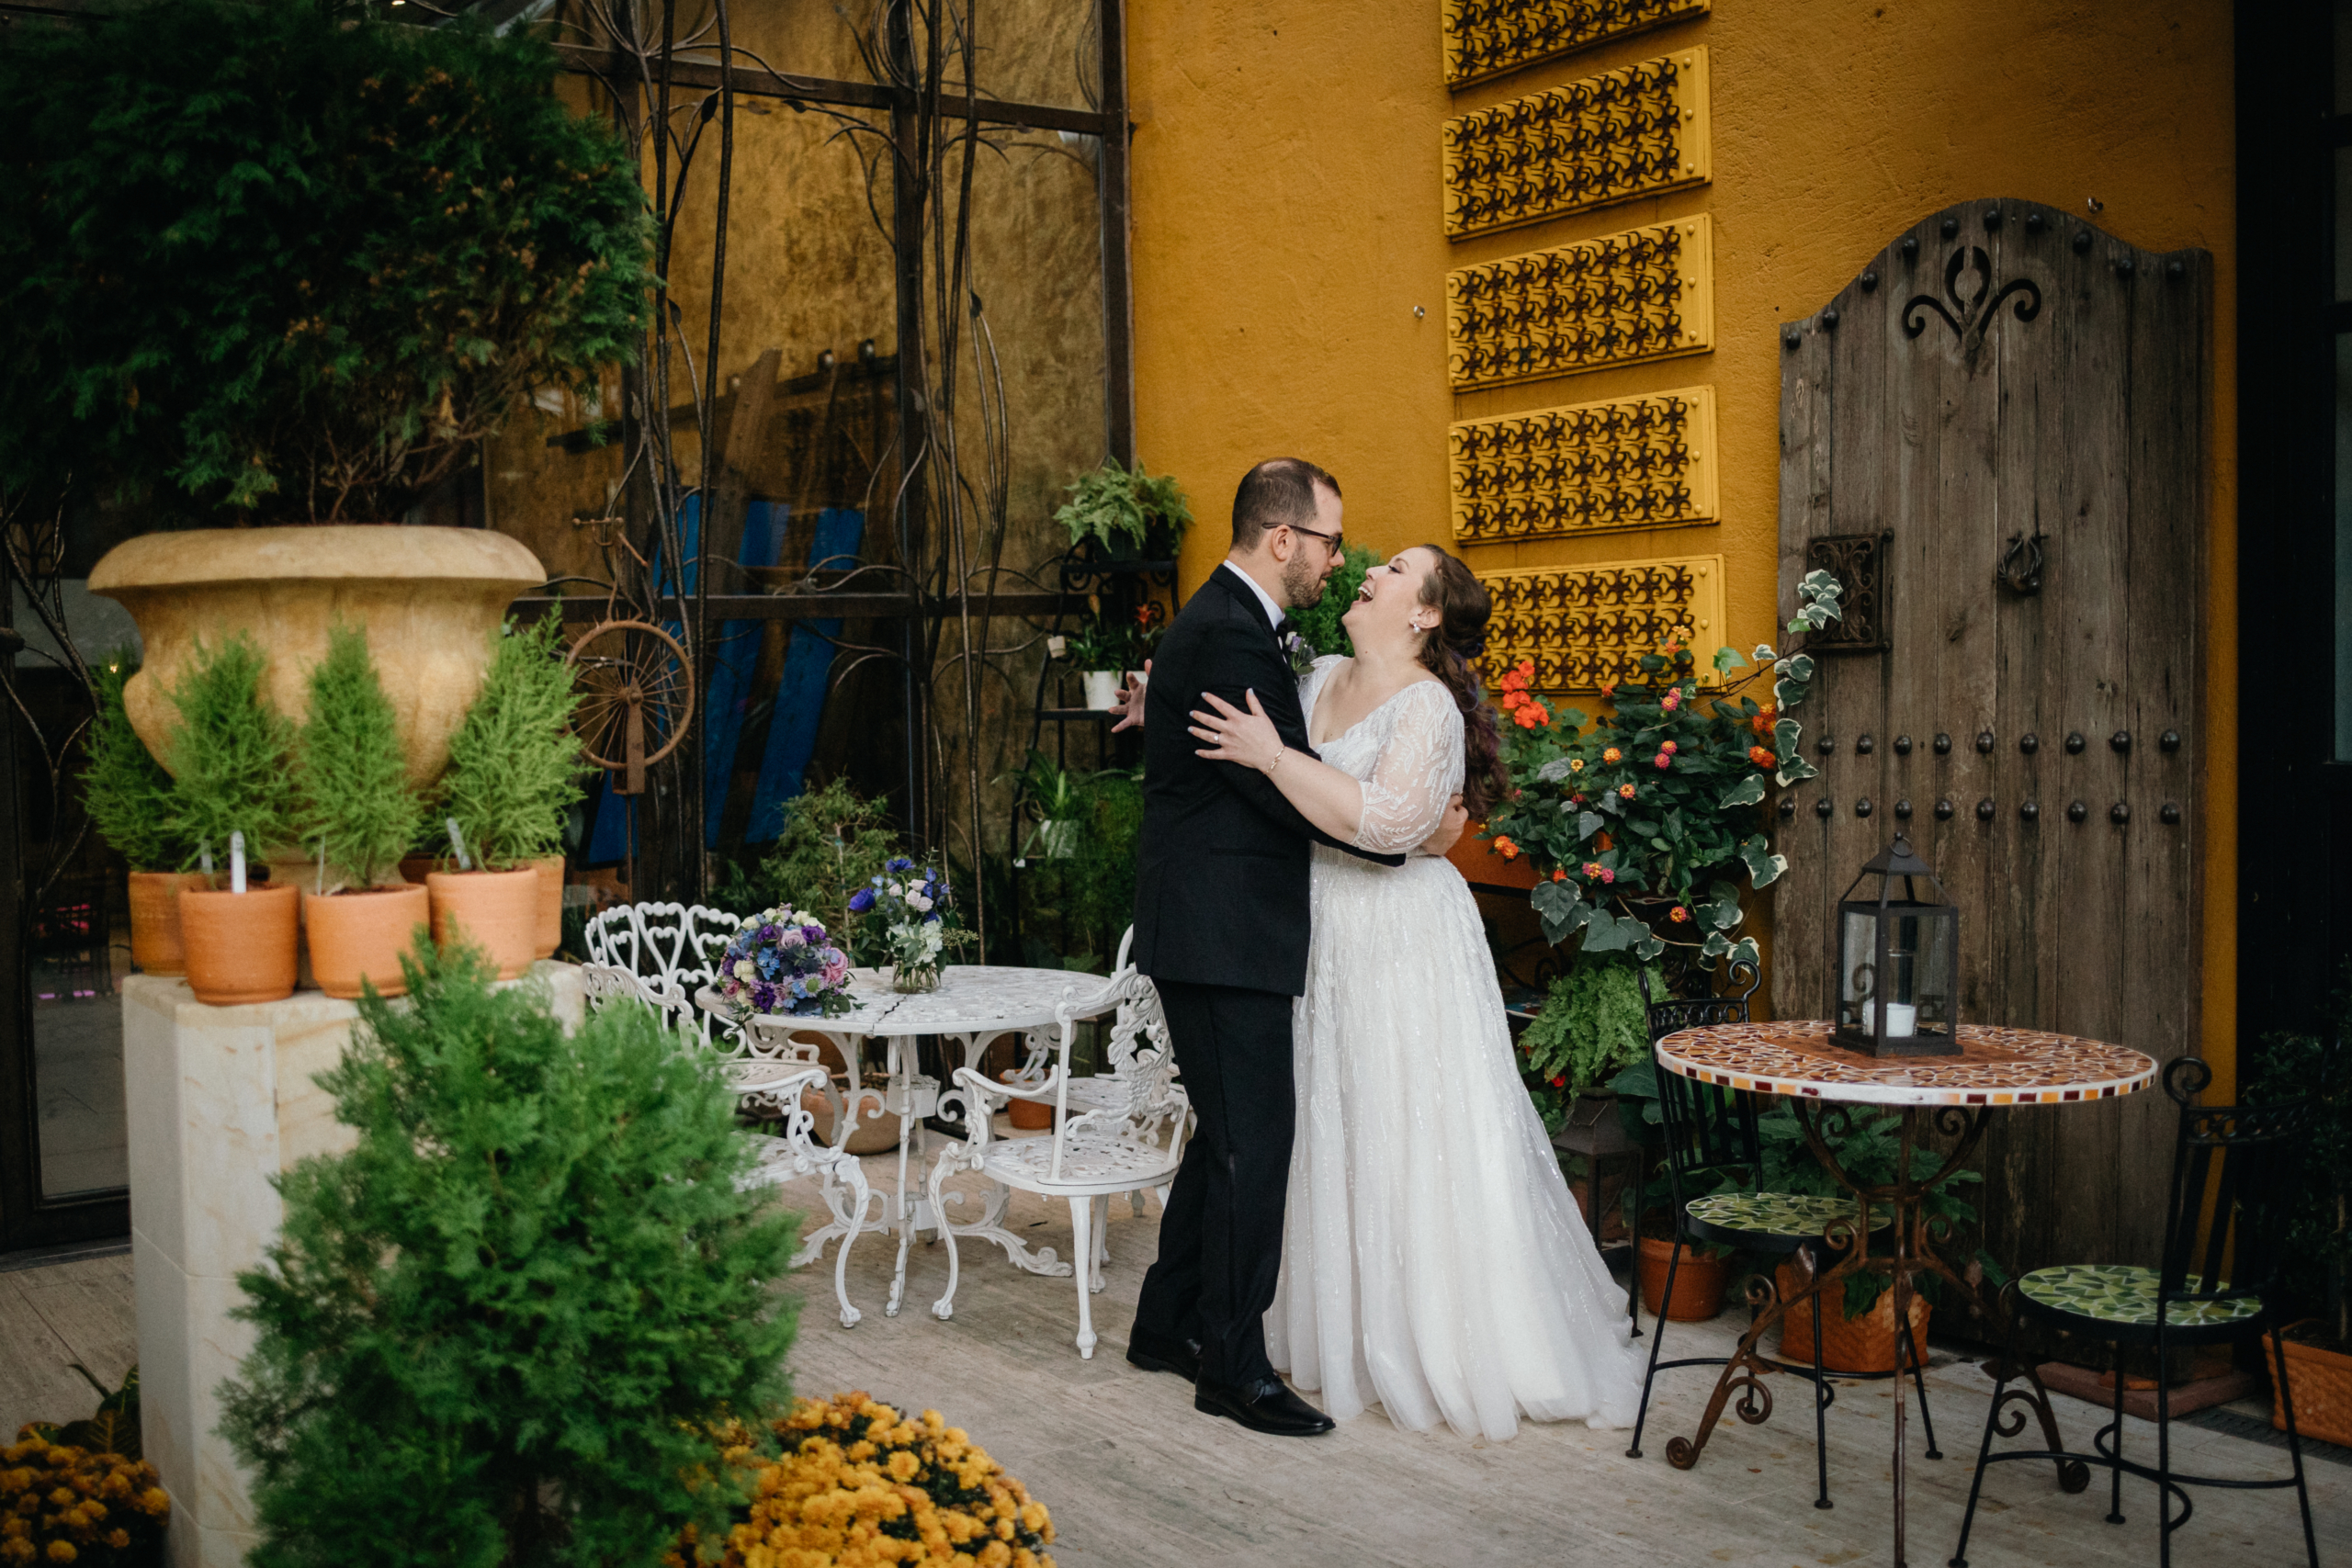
(1648,293)
(1610,137)
(1646,462)
(1586,626)
(1487,38)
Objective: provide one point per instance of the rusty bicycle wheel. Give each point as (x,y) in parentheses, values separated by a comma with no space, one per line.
(636,698)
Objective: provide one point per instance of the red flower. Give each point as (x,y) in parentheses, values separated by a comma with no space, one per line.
(1506,849)
(1626,792)
(1558,874)
(1559,1082)
(1679,913)
(1762,756)
(1664,760)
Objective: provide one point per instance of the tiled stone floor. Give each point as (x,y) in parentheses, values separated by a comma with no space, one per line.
(1135,1476)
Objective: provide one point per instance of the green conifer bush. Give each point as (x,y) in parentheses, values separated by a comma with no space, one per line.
(514,768)
(231,755)
(356,794)
(494,1332)
(129,797)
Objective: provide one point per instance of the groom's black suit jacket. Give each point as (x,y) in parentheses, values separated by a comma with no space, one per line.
(1221,883)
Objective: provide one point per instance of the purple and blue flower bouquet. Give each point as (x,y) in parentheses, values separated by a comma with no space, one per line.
(783,961)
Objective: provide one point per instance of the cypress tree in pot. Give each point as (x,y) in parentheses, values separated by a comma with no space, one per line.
(129,799)
(359,812)
(515,771)
(232,759)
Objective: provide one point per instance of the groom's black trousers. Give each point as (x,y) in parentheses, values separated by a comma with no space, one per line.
(1221,1238)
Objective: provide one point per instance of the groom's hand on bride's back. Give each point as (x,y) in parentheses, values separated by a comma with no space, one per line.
(1449,829)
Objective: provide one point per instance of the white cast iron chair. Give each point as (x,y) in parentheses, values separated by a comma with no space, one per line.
(1125,1147)
(672,948)
(1101,1090)
(794,1151)
(769,1087)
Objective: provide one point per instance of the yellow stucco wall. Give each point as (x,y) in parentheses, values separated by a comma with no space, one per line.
(1287,221)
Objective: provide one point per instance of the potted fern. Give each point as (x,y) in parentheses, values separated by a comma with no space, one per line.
(231,760)
(515,770)
(359,914)
(129,800)
(1130,515)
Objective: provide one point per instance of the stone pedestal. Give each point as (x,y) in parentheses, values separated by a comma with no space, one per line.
(221,1099)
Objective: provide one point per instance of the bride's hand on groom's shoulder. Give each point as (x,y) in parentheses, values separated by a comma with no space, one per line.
(1128,703)
(1449,829)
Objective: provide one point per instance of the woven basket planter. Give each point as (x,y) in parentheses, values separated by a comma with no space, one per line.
(2322,1381)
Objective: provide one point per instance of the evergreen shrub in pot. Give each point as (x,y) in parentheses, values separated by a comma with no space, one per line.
(129,800)
(515,770)
(291,264)
(360,814)
(497,1331)
(232,757)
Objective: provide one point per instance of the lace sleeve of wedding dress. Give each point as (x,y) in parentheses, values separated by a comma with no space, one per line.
(1418,771)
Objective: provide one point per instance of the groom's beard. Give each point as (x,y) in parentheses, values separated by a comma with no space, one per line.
(1302,583)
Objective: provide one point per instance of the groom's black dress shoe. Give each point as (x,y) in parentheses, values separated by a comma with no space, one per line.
(1268,1406)
(1153,1354)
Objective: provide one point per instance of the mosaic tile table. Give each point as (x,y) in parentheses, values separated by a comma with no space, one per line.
(1957,1096)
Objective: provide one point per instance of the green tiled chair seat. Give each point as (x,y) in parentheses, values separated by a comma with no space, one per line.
(2125,1292)
(1776,1213)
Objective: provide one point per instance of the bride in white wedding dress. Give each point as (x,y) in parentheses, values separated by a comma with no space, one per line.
(1433,1260)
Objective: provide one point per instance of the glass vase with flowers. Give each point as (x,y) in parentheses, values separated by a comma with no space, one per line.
(918,923)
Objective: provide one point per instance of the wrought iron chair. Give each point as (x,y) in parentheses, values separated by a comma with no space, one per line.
(794,1150)
(671,950)
(1714,1171)
(2228,1163)
(1088,1157)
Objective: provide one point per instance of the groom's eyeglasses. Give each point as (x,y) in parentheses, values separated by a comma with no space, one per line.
(1335,542)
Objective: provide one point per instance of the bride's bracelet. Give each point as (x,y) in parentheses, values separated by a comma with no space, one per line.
(1277,761)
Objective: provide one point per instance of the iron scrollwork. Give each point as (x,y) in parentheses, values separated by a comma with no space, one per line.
(1858,560)
(1974,310)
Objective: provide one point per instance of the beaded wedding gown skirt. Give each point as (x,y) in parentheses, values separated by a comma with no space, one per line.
(1433,1260)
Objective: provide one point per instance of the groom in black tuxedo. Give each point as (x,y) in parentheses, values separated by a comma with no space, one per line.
(1221,927)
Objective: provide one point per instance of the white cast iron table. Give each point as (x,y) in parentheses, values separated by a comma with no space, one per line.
(975,1005)
(1994,1067)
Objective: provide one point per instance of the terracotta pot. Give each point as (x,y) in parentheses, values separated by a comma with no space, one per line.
(360,934)
(549,935)
(497,911)
(429,598)
(1479,862)
(1029,1115)
(1697,1282)
(1864,1344)
(240,945)
(2321,1381)
(870,1136)
(155,920)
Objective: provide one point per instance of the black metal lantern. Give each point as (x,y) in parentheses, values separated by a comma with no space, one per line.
(1896,989)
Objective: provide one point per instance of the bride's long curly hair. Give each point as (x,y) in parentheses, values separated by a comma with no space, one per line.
(1463,609)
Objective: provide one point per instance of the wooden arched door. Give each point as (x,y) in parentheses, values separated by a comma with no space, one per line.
(1995,436)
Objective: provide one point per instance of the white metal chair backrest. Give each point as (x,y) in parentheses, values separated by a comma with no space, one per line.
(1125,942)
(673,950)
(1141,1057)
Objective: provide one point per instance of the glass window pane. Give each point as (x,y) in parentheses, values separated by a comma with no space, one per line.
(2344,548)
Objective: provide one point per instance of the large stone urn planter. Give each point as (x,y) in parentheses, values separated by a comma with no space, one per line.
(429,599)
